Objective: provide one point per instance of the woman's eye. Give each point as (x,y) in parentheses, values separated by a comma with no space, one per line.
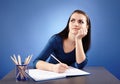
(80,21)
(73,20)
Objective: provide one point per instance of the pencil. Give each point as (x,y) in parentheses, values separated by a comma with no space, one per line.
(29,59)
(26,60)
(14,60)
(55,58)
(19,60)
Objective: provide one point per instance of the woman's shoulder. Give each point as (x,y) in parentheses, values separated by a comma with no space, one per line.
(56,36)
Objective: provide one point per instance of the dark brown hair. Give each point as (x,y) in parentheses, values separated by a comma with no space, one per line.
(86,40)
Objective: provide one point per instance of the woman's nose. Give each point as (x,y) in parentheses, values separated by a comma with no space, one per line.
(76,24)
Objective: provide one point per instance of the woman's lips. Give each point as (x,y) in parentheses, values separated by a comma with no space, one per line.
(76,28)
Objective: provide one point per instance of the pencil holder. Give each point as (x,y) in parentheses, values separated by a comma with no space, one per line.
(21,72)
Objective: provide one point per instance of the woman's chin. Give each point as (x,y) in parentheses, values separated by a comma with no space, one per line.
(75,33)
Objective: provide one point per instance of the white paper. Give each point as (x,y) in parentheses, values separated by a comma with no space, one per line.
(39,75)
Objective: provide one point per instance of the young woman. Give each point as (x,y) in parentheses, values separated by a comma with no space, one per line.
(69,46)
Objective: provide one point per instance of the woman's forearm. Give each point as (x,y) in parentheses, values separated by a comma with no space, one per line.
(80,54)
(44,65)
(59,68)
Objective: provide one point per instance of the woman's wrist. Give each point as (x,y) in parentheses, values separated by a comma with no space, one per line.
(78,40)
(51,67)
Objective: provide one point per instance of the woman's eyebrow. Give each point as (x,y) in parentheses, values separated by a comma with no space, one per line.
(72,18)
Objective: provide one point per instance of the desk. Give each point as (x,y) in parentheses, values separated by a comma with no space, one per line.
(99,75)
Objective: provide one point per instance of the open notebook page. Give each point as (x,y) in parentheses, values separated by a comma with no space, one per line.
(75,72)
(39,75)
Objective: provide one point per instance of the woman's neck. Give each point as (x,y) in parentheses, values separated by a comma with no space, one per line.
(69,44)
(71,39)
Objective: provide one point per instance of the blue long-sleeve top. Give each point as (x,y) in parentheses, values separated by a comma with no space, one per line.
(55,47)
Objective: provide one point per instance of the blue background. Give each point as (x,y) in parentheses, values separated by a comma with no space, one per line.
(26,26)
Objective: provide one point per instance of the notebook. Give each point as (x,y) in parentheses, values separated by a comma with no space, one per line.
(40,75)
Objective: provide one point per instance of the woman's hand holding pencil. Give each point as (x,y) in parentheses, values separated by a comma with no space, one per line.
(60,67)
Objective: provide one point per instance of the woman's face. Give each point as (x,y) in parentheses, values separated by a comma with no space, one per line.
(77,21)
